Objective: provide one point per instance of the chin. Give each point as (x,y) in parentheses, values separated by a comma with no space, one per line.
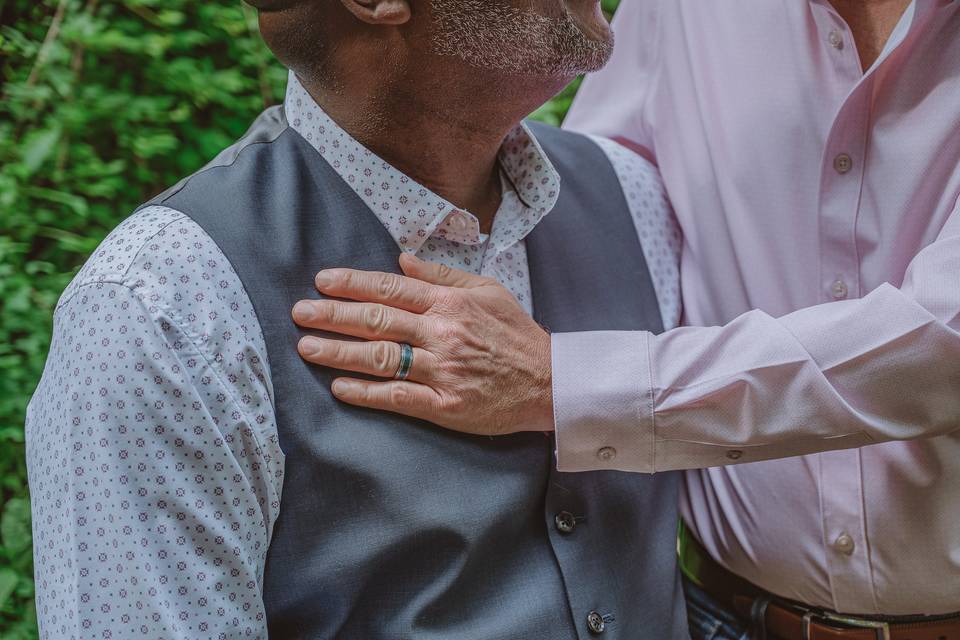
(588,15)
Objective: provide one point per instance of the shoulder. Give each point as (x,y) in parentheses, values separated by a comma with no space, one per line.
(572,154)
(163,256)
(634,170)
(182,278)
(654,219)
(114,258)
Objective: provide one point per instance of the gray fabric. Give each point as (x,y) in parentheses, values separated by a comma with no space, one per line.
(393,528)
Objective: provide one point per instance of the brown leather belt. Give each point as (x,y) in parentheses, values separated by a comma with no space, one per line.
(786,620)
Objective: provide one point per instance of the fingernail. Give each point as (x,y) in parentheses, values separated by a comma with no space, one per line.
(303,311)
(342,387)
(323,280)
(309,346)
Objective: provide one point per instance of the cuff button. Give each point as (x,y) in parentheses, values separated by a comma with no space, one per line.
(607,454)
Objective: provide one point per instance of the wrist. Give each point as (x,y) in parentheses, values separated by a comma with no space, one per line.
(543,405)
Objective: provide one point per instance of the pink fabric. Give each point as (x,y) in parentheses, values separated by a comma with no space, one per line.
(820,278)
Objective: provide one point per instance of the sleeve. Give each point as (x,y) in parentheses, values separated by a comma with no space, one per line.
(838,375)
(153,490)
(612,102)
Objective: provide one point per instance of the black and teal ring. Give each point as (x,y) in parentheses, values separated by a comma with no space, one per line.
(406,362)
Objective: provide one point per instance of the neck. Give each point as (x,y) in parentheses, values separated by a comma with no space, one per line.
(871,24)
(444,137)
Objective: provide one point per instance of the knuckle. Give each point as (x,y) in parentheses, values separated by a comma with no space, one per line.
(329,311)
(382,356)
(443,370)
(447,332)
(425,297)
(340,353)
(444,271)
(376,319)
(389,286)
(456,402)
(449,404)
(399,395)
(424,331)
(456,301)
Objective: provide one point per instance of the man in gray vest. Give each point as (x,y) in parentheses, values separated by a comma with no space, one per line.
(191,474)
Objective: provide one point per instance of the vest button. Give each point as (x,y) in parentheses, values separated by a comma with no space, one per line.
(565,522)
(595,623)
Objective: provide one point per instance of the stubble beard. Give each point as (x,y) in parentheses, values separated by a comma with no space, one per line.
(491,35)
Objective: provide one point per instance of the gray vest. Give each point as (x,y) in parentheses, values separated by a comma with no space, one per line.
(392,528)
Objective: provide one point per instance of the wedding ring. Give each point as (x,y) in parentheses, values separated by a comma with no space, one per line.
(406,362)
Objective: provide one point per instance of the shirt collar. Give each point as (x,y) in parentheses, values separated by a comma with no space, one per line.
(410,212)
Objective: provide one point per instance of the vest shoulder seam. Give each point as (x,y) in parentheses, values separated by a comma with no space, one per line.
(183,184)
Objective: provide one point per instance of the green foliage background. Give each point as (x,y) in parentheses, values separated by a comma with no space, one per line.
(104,103)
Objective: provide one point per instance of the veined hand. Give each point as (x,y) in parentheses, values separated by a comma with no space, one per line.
(481,365)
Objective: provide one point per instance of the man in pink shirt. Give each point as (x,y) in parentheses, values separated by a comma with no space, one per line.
(811,150)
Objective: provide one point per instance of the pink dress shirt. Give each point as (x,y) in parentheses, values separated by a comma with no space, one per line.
(820,277)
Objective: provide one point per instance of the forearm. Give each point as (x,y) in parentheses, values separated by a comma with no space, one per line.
(845,374)
(834,376)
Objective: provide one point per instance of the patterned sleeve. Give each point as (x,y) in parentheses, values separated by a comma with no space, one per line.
(153,462)
(657,227)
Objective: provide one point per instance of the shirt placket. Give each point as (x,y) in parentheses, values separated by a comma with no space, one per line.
(842,176)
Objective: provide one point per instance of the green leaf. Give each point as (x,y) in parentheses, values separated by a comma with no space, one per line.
(15,526)
(78,204)
(148,146)
(8,582)
(37,148)
(11,434)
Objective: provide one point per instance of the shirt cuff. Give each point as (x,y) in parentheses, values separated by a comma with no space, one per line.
(603,401)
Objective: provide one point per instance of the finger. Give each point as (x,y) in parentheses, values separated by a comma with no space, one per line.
(373,286)
(440,274)
(403,397)
(359,319)
(380,358)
